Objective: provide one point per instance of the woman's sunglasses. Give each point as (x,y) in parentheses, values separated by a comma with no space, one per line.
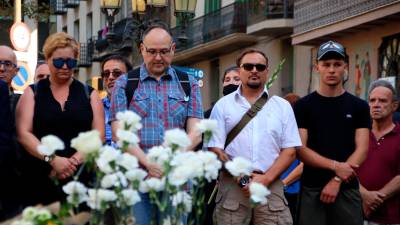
(116,73)
(250,67)
(59,63)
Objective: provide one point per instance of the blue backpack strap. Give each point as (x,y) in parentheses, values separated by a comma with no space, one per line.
(131,85)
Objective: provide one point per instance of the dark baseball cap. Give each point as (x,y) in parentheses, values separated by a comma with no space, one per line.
(330,47)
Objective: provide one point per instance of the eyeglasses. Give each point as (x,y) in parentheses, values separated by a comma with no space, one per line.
(250,67)
(8,65)
(59,63)
(116,73)
(153,52)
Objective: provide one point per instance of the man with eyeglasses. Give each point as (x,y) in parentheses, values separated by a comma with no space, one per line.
(160,99)
(268,141)
(111,68)
(334,128)
(10,203)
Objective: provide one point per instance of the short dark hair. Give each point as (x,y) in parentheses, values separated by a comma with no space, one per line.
(155,25)
(249,51)
(119,58)
(40,62)
(228,70)
(383,83)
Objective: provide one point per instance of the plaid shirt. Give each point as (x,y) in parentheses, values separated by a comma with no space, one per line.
(161,104)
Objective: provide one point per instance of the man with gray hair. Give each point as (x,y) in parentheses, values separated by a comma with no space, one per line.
(380,173)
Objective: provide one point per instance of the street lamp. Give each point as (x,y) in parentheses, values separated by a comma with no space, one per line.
(184,10)
(110,8)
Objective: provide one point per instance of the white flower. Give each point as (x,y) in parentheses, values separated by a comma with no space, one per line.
(127,136)
(109,180)
(258,193)
(159,155)
(129,119)
(76,192)
(29,213)
(128,161)
(43,214)
(152,184)
(98,196)
(136,174)
(107,154)
(207,125)
(130,197)
(239,166)
(184,199)
(211,164)
(180,176)
(49,144)
(177,138)
(87,142)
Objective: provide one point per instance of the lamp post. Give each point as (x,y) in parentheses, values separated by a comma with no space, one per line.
(184,10)
(110,8)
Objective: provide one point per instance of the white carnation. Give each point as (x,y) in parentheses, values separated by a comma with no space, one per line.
(130,197)
(207,125)
(211,164)
(184,199)
(129,120)
(152,184)
(107,155)
(98,196)
(87,142)
(49,144)
(180,176)
(29,213)
(159,155)
(22,222)
(258,193)
(136,174)
(128,161)
(127,136)
(239,166)
(177,139)
(109,180)
(76,192)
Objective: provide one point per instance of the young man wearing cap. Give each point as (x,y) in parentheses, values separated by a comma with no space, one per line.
(334,128)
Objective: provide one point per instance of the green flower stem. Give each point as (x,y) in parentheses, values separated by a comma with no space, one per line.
(275,74)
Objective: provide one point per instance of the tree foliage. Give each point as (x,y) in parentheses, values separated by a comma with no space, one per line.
(32,9)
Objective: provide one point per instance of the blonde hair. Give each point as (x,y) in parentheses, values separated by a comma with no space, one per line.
(60,40)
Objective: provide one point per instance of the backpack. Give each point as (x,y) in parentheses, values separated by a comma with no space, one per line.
(133,82)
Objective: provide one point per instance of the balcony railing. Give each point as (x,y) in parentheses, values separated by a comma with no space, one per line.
(258,11)
(310,14)
(57,7)
(86,53)
(227,20)
(233,18)
(71,3)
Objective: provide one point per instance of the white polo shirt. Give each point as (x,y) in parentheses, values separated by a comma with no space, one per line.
(262,139)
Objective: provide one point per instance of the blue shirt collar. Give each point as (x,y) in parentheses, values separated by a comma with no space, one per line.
(144,74)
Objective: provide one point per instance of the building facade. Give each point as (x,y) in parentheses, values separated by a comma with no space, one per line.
(368,29)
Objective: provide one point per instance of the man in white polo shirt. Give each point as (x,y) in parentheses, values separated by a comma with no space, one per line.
(268,141)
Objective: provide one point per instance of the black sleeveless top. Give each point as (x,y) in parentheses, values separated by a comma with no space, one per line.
(50,118)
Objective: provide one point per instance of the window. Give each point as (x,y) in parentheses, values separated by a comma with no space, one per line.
(76,30)
(389,58)
(211,6)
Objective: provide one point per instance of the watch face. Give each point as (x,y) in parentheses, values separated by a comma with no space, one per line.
(46,158)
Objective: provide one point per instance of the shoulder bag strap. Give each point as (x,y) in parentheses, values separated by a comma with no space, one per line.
(250,114)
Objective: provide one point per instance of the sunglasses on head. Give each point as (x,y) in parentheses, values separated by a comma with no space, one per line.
(59,63)
(250,67)
(116,73)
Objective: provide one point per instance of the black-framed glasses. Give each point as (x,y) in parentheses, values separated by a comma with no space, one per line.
(59,63)
(250,66)
(153,52)
(116,73)
(8,65)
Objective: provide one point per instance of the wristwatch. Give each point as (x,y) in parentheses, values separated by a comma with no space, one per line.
(49,158)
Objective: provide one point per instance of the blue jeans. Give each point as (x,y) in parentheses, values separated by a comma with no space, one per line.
(144,211)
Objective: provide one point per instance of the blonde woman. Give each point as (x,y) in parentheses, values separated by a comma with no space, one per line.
(58,105)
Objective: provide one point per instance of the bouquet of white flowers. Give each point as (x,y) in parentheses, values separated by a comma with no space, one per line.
(118,177)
